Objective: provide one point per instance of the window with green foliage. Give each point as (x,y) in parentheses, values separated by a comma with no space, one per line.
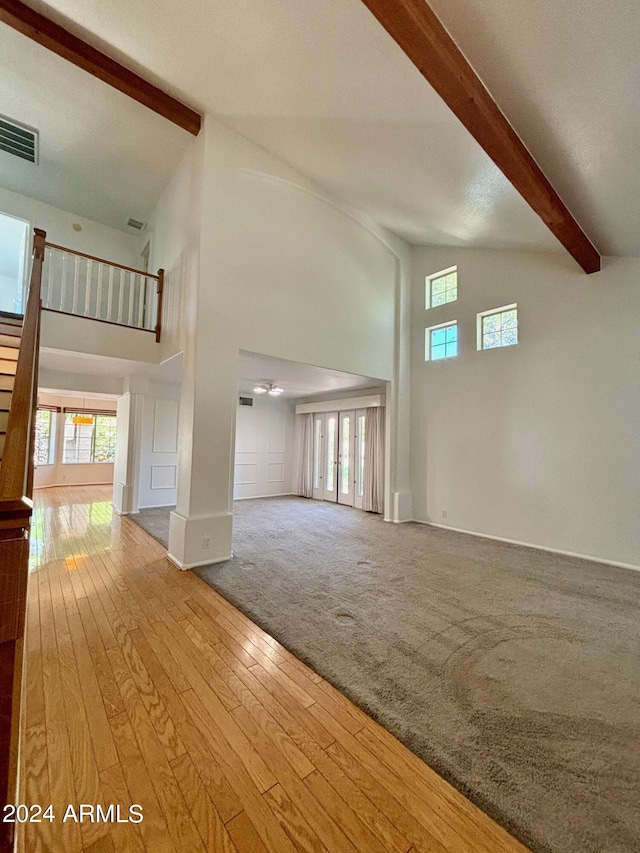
(442,287)
(89,437)
(45,437)
(498,327)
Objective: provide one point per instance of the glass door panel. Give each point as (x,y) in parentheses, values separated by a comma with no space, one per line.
(331,457)
(346,467)
(359,458)
(318,457)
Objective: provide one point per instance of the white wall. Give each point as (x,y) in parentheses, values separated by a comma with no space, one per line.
(264,449)
(159,446)
(83,335)
(59,473)
(539,442)
(270,265)
(94,238)
(174,231)
(146,445)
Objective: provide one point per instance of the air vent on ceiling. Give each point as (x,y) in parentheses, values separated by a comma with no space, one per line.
(245,401)
(135,223)
(18,139)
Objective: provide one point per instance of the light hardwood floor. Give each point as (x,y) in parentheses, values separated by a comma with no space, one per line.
(145,686)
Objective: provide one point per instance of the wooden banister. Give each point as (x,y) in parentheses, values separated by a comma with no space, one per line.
(16,489)
(100,260)
(14,467)
(82,285)
(160,296)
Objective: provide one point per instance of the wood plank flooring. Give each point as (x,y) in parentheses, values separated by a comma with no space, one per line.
(145,687)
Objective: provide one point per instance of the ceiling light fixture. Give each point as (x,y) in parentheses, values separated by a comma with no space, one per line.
(268,388)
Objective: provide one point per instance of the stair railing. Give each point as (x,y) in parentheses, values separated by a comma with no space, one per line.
(87,286)
(16,506)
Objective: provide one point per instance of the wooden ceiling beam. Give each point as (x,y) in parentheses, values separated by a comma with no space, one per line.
(417,30)
(54,37)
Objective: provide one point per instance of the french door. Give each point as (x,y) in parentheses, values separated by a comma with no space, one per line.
(338,457)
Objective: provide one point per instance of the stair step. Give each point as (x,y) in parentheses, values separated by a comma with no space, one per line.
(10,317)
(8,366)
(9,352)
(5,400)
(11,329)
(4,418)
(2,438)
(6,382)
(9,341)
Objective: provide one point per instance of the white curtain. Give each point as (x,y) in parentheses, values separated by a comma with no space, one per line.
(373,498)
(304,444)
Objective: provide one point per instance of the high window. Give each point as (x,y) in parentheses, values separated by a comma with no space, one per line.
(442,287)
(89,437)
(441,341)
(498,327)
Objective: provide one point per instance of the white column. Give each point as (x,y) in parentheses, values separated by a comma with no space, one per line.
(200,529)
(126,470)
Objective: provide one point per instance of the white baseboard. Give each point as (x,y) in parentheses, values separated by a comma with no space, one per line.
(185,568)
(531,545)
(71,485)
(258,497)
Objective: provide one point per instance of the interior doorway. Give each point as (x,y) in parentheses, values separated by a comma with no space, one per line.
(14,246)
(338,457)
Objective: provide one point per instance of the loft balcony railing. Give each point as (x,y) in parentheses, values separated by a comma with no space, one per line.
(85,286)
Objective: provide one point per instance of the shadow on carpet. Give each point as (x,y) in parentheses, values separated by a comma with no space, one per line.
(512,672)
(155,522)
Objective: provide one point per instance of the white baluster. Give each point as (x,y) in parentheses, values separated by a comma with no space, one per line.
(63,279)
(76,276)
(99,293)
(132,281)
(140,318)
(110,293)
(121,296)
(87,288)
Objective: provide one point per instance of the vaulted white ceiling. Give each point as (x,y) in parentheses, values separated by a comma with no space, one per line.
(325,88)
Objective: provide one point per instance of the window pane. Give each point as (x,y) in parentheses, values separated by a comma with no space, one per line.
(317,454)
(331,452)
(438,336)
(78,438)
(439,351)
(441,289)
(451,333)
(346,438)
(491,323)
(105,439)
(452,348)
(509,337)
(509,319)
(43,437)
(491,340)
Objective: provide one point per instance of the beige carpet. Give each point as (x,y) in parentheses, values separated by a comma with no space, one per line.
(513,672)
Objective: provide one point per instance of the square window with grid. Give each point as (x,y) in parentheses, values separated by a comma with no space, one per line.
(498,328)
(441,342)
(441,288)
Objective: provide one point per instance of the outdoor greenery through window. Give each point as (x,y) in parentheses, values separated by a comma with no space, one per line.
(45,441)
(441,342)
(441,288)
(89,437)
(498,328)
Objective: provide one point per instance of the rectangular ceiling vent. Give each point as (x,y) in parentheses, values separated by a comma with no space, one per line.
(245,401)
(135,223)
(18,139)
